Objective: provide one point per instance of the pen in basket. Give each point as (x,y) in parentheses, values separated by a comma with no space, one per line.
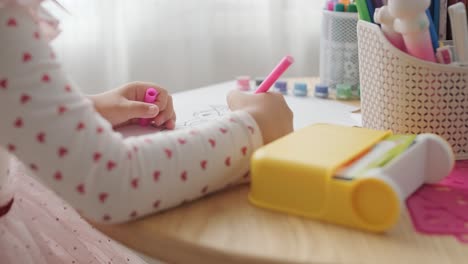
(459,22)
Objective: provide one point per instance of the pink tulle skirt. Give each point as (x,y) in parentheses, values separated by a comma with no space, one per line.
(41,228)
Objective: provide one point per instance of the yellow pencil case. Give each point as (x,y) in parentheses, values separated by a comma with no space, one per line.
(295,174)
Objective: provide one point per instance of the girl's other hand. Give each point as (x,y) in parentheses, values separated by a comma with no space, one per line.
(125,105)
(270,111)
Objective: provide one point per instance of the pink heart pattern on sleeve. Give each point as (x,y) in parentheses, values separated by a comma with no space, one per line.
(56,133)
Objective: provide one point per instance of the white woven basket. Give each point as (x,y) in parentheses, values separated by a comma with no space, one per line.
(408,95)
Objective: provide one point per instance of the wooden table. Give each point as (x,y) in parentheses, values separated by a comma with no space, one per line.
(226,228)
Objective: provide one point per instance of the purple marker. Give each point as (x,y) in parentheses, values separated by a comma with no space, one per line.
(378,3)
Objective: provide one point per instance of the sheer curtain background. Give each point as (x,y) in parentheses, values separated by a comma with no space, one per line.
(184,44)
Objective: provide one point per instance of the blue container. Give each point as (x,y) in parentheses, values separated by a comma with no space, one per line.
(321,91)
(300,89)
(282,87)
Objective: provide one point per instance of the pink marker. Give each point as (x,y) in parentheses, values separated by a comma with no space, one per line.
(150,97)
(444,55)
(330,5)
(275,74)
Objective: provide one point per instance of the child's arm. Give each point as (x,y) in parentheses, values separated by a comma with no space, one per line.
(57,134)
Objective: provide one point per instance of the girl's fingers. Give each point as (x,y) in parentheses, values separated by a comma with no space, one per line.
(165,114)
(135,109)
(136,91)
(170,124)
(163,100)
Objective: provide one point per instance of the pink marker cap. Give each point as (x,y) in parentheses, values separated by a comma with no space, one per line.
(243,83)
(150,97)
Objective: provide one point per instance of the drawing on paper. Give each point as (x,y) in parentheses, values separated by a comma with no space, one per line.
(187,119)
(211,113)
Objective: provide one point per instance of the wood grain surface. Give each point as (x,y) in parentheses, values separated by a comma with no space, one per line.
(226,228)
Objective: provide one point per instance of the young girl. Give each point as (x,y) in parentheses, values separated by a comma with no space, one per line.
(66,140)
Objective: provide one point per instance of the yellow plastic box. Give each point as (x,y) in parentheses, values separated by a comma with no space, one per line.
(295,175)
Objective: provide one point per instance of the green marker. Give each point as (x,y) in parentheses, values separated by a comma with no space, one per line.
(352,8)
(363,10)
(339,7)
(401,143)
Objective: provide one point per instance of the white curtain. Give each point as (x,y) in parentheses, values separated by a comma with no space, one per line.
(185,44)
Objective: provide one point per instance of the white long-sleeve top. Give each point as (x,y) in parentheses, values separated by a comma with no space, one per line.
(55,131)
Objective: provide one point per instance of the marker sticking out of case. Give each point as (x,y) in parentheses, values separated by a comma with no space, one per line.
(378,156)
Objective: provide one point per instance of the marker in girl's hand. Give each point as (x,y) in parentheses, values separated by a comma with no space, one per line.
(150,97)
(275,74)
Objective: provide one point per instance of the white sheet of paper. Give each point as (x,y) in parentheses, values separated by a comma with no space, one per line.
(201,105)
(357,117)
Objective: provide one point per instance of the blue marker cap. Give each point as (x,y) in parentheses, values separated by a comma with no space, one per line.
(300,89)
(281,86)
(321,91)
(339,7)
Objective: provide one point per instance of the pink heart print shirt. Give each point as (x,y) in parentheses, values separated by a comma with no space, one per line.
(56,133)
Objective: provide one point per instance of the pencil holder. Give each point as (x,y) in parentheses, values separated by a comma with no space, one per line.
(339,61)
(408,95)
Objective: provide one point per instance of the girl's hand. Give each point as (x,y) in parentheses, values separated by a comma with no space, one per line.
(125,105)
(270,111)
